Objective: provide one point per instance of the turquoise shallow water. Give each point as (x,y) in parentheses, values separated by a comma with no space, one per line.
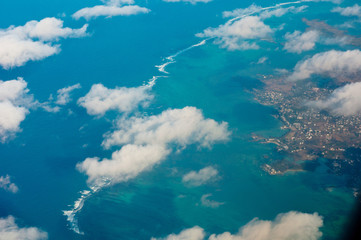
(158,203)
(123,52)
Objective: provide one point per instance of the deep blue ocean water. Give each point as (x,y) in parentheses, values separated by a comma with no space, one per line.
(123,51)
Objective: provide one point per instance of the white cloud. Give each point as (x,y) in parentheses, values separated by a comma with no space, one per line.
(201,177)
(190,1)
(10,118)
(234,43)
(345,100)
(264,12)
(47,29)
(12,90)
(205,201)
(279,12)
(64,94)
(48,108)
(248,24)
(298,42)
(6,184)
(233,35)
(15,52)
(33,41)
(147,141)
(332,1)
(117,2)
(110,9)
(9,230)
(355,10)
(239,12)
(291,225)
(14,105)
(125,164)
(262,60)
(194,233)
(179,126)
(332,63)
(100,99)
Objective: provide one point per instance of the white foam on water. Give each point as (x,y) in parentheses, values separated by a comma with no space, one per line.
(79,203)
(152,81)
(161,68)
(171,59)
(85,194)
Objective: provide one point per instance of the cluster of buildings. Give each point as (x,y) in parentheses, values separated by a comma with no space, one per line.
(310,133)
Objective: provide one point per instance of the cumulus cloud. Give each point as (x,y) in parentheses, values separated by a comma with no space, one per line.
(298,42)
(354,10)
(33,41)
(9,230)
(248,24)
(6,184)
(63,96)
(178,126)
(190,1)
(14,104)
(11,117)
(331,63)
(147,141)
(291,225)
(234,35)
(201,177)
(345,100)
(124,164)
(205,201)
(194,233)
(109,9)
(101,99)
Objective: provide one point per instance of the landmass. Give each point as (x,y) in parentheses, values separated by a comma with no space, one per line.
(311,134)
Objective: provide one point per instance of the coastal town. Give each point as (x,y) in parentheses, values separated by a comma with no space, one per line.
(310,133)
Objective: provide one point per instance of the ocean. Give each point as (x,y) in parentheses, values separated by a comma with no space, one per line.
(124,52)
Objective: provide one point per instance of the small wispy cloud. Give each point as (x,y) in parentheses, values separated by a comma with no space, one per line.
(201,177)
(6,184)
(206,202)
(63,96)
(354,10)
(189,1)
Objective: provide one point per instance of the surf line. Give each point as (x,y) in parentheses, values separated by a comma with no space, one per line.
(85,194)
(78,205)
(171,58)
(71,215)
